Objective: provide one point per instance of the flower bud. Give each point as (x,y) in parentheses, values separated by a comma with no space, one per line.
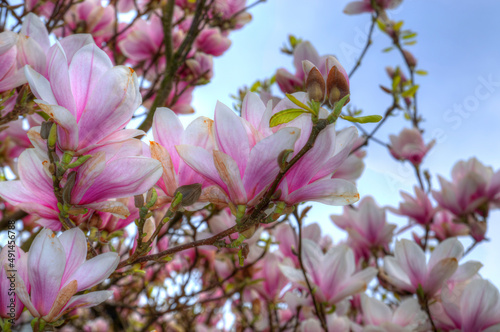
(45,129)
(410,59)
(190,193)
(337,86)
(315,85)
(68,187)
(139,201)
(148,229)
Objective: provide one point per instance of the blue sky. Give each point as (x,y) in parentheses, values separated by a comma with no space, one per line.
(458,44)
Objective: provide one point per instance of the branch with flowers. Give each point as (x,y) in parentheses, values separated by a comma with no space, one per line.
(203,227)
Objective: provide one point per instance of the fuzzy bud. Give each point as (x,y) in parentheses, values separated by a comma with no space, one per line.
(315,85)
(337,86)
(190,193)
(148,230)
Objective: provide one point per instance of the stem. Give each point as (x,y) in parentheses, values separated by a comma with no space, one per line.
(317,306)
(368,43)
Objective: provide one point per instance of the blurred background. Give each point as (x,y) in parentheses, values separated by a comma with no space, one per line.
(458,45)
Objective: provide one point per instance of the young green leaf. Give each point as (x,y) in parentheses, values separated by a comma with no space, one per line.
(363,119)
(285,116)
(410,92)
(298,102)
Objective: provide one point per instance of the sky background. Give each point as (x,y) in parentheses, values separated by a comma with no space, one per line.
(458,45)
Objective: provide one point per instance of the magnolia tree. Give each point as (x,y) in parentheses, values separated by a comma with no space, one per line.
(204,227)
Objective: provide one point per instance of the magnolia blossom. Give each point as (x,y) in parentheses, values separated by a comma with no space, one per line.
(273,280)
(288,239)
(88,98)
(474,308)
(408,270)
(409,145)
(366,225)
(333,273)
(26,48)
(12,259)
(377,316)
(473,187)
(242,164)
(365,6)
(168,132)
(96,19)
(227,9)
(58,269)
(444,227)
(334,323)
(212,41)
(418,208)
(96,181)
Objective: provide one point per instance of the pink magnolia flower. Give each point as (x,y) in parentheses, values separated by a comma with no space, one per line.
(409,145)
(365,6)
(444,226)
(26,48)
(97,181)
(408,269)
(287,238)
(418,208)
(89,99)
(97,20)
(143,40)
(311,178)
(241,166)
(273,280)
(53,289)
(227,9)
(473,186)
(352,168)
(367,227)
(13,141)
(12,259)
(212,41)
(334,323)
(472,309)
(332,273)
(168,132)
(377,316)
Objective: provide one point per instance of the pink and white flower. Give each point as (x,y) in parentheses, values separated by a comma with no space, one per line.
(58,269)
(409,145)
(365,6)
(333,273)
(12,259)
(418,208)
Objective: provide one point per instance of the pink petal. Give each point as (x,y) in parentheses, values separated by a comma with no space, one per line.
(123,177)
(374,311)
(87,174)
(446,249)
(111,105)
(58,74)
(411,258)
(87,300)
(357,7)
(304,51)
(263,165)
(87,66)
(328,191)
(230,135)
(230,175)
(439,273)
(95,270)
(167,131)
(73,43)
(252,109)
(75,247)
(34,178)
(40,86)
(35,28)
(46,264)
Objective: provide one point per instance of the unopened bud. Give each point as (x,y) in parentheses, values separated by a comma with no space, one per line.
(190,193)
(68,187)
(52,138)
(410,59)
(139,201)
(45,129)
(148,229)
(80,161)
(337,86)
(315,85)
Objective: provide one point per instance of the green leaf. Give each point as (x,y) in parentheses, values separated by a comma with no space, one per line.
(363,119)
(410,92)
(388,49)
(395,82)
(413,42)
(397,26)
(255,86)
(381,25)
(298,102)
(285,116)
(410,36)
(421,72)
